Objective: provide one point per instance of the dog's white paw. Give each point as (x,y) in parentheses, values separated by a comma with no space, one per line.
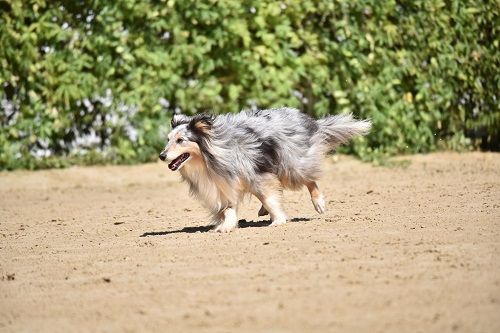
(319,204)
(229,223)
(224,227)
(263,211)
(278,221)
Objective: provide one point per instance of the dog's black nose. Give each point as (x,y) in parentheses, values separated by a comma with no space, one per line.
(163,156)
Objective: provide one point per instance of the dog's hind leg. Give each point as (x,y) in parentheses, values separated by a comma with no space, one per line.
(273,205)
(262,211)
(229,222)
(269,193)
(317,198)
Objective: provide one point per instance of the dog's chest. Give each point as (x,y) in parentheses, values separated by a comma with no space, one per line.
(203,186)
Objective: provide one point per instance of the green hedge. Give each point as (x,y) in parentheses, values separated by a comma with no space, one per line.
(96,81)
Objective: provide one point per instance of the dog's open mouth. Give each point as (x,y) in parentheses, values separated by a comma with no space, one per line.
(176,164)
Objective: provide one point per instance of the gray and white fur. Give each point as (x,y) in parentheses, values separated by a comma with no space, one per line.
(225,157)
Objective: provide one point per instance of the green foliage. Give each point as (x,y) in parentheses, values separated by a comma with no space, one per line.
(96,81)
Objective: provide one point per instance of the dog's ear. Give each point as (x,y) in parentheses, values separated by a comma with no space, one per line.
(202,124)
(179,119)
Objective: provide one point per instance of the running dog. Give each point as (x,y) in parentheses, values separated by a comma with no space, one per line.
(225,157)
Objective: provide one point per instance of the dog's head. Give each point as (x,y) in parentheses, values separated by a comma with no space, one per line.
(184,139)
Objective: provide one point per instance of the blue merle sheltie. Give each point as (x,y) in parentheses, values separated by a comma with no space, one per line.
(225,157)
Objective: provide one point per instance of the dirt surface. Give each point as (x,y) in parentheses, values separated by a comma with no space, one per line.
(111,249)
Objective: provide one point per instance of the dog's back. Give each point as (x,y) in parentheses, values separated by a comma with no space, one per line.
(284,142)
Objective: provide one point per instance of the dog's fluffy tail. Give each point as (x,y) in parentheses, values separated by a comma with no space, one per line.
(337,130)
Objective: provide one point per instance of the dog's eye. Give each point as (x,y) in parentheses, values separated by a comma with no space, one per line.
(180,140)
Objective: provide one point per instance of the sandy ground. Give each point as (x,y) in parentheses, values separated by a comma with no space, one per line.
(112,249)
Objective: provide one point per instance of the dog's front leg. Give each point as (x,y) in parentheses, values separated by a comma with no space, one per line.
(229,222)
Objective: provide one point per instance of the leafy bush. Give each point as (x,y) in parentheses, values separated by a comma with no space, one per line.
(96,81)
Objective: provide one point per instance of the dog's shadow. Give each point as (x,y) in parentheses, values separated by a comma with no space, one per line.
(206,228)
